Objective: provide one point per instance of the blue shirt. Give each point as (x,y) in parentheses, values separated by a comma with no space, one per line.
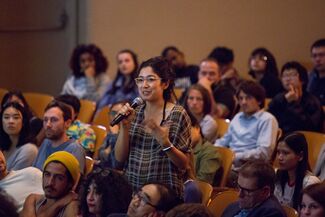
(70,146)
(251,136)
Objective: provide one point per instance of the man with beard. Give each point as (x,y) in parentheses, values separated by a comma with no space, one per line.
(57,119)
(60,177)
(256,185)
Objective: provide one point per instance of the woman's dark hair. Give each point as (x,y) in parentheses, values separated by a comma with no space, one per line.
(115,191)
(100,59)
(271,66)
(127,84)
(302,71)
(297,143)
(205,96)
(7,205)
(24,134)
(316,192)
(163,69)
(7,98)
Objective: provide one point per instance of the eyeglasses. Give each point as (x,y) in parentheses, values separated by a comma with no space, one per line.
(247,191)
(103,172)
(290,75)
(150,80)
(143,198)
(315,55)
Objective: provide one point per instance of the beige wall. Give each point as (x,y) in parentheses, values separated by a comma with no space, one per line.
(286,27)
(38,61)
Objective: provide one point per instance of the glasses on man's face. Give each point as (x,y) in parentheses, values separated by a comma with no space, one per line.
(150,80)
(143,198)
(290,75)
(247,191)
(320,55)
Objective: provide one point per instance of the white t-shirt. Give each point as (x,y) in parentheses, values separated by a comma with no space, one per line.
(21,183)
(286,198)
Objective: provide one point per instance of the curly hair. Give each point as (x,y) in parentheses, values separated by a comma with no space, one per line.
(100,59)
(25,135)
(163,69)
(115,191)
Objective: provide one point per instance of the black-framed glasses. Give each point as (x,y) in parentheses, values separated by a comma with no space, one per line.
(247,191)
(150,80)
(143,198)
(102,171)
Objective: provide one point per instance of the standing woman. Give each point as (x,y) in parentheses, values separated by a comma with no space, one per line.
(16,141)
(263,68)
(89,79)
(198,102)
(294,173)
(123,87)
(155,137)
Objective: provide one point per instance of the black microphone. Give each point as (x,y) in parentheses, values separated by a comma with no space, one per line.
(118,118)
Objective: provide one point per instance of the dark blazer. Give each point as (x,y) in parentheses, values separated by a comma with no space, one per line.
(269,208)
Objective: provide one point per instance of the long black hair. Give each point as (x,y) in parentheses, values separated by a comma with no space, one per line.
(297,143)
(25,135)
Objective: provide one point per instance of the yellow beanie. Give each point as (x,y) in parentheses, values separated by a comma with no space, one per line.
(68,160)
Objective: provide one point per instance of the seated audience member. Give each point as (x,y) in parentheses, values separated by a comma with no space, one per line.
(189,210)
(313,201)
(7,206)
(252,132)
(36,124)
(319,169)
(222,97)
(16,141)
(186,75)
(106,151)
(57,119)
(123,87)
(60,177)
(256,199)
(316,85)
(79,131)
(19,183)
(225,58)
(198,103)
(105,192)
(152,199)
(89,79)
(263,68)
(206,158)
(294,173)
(296,109)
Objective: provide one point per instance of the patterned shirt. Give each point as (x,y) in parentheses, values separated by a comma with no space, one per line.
(146,160)
(83,134)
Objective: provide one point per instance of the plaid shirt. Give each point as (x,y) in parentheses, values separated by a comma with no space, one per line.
(147,162)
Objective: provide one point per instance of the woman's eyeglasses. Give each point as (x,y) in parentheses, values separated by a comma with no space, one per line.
(143,198)
(150,80)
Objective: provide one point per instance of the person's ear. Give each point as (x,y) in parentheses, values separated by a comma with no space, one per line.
(300,156)
(67,123)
